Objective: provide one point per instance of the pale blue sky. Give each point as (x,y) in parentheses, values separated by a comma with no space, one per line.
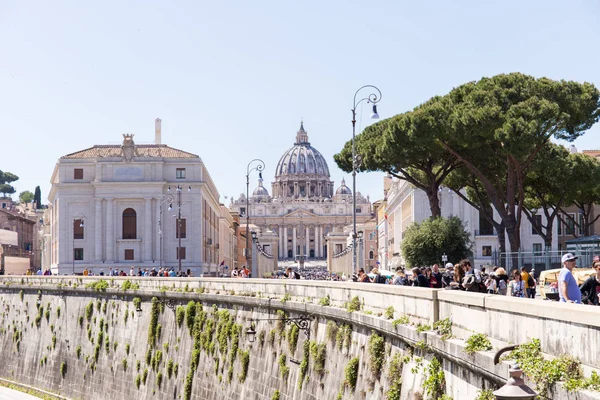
(232,79)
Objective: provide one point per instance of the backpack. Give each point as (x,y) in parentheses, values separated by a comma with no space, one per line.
(530,281)
(296,275)
(502,284)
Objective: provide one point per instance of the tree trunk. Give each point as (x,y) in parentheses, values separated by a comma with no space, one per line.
(514,239)
(434,203)
(500,231)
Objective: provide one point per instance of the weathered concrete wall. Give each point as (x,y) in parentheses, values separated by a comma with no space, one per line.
(31,355)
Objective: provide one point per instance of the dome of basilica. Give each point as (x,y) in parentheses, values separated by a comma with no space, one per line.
(343,189)
(302,159)
(260,190)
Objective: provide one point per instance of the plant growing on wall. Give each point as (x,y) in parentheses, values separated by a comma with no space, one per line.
(351,373)
(293,338)
(435,380)
(395,376)
(477,342)
(443,328)
(376,353)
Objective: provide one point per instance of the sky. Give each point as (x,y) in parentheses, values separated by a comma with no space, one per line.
(231,80)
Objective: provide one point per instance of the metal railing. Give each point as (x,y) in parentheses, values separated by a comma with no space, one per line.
(543,260)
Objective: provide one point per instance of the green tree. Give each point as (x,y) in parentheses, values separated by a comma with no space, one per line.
(404,146)
(37,197)
(25,197)
(424,243)
(547,186)
(497,126)
(6,178)
(583,187)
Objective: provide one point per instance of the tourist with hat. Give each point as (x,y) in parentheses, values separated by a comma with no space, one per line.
(568,290)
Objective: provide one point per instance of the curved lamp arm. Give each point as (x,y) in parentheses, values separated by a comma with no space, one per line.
(371,98)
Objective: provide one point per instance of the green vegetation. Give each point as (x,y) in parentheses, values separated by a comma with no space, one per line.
(152,328)
(304,363)
(180,315)
(99,286)
(293,338)
(477,342)
(190,313)
(343,337)
(487,394)
(245,356)
(89,311)
(318,353)
(423,328)
(78,351)
(138,381)
(443,328)
(170,368)
(435,380)
(286,297)
(283,368)
(124,364)
(325,301)
(127,285)
(63,369)
(353,305)
(376,353)
(351,373)
(276,395)
(395,376)
(331,331)
(389,312)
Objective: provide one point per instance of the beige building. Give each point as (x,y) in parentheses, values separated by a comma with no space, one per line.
(146,205)
(303,207)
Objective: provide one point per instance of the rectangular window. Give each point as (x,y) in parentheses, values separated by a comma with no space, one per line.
(358,210)
(536,225)
(182,229)
(129,254)
(78,229)
(242,211)
(181,253)
(78,173)
(537,249)
(486,251)
(78,254)
(180,173)
(570,228)
(559,226)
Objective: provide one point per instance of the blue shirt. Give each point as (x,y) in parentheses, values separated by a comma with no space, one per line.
(572,288)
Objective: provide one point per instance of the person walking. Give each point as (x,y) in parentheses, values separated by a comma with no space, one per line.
(568,291)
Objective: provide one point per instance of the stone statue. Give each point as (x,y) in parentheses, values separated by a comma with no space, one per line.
(128,147)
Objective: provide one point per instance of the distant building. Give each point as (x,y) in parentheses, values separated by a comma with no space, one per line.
(303,207)
(118,206)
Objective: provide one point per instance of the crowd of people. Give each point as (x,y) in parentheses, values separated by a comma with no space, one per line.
(461,276)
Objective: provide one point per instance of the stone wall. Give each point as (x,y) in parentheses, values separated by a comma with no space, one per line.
(36,339)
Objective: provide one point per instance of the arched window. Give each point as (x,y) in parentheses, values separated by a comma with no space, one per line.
(371,255)
(129,224)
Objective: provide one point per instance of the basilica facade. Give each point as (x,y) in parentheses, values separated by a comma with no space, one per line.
(304,206)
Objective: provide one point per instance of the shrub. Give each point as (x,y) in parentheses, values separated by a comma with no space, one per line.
(351,373)
(477,342)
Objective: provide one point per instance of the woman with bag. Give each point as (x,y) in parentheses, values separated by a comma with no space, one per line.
(516,287)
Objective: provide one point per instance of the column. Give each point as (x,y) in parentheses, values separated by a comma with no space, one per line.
(98,232)
(285,241)
(157,241)
(318,241)
(280,233)
(110,232)
(148,230)
(294,242)
(307,251)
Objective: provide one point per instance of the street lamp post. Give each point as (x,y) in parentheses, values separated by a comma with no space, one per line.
(259,166)
(372,98)
(179,189)
(165,198)
(77,217)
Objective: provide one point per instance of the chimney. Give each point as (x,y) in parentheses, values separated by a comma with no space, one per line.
(157,122)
